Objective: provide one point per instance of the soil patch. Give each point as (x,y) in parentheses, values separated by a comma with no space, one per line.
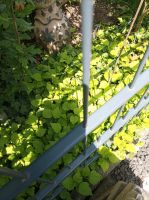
(104,13)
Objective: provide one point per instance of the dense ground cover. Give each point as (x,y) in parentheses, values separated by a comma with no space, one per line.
(41,97)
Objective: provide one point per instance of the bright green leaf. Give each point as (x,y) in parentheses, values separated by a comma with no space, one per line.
(56,127)
(49,87)
(94,177)
(130,148)
(113,158)
(84,189)
(77,177)
(40,132)
(86,171)
(32,119)
(68,183)
(65,195)
(37,77)
(47,113)
(104,164)
(38,146)
(74,119)
(10,149)
(103,84)
(56,113)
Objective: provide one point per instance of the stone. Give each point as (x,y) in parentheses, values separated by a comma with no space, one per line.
(51,26)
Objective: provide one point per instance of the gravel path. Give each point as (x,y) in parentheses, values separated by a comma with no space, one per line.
(136,169)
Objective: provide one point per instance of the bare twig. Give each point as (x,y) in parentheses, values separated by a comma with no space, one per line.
(126,39)
(15,23)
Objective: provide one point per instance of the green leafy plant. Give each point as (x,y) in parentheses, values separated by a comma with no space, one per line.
(46,98)
(85,189)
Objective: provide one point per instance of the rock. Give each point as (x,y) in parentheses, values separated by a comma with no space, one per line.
(51,26)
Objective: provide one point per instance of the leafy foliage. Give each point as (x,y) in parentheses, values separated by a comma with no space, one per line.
(68,183)
(46,97)
(16,54)
(85,189)
(94,177)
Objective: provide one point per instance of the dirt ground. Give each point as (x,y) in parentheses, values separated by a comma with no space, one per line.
(104,13)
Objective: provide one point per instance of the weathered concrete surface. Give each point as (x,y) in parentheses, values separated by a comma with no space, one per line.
(120,191)
(126,181)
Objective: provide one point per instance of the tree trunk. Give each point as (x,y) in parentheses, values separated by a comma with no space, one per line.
(51,25)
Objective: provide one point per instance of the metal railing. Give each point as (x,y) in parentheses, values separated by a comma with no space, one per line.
(22,180)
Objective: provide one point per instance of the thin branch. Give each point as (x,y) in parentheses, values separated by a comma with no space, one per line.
(15,23)
(126,39)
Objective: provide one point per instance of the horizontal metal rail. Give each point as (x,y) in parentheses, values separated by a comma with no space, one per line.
(37,168)
(58,190)
(118,116)
(140,68)
(55,193)
(12,173)
(92,148)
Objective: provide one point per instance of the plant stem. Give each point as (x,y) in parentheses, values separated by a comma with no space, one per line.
(15,24)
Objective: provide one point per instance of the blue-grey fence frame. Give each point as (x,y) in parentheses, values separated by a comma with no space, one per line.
(91,149)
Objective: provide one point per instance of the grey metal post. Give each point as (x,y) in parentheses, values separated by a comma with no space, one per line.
(87,21)
(140,68)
